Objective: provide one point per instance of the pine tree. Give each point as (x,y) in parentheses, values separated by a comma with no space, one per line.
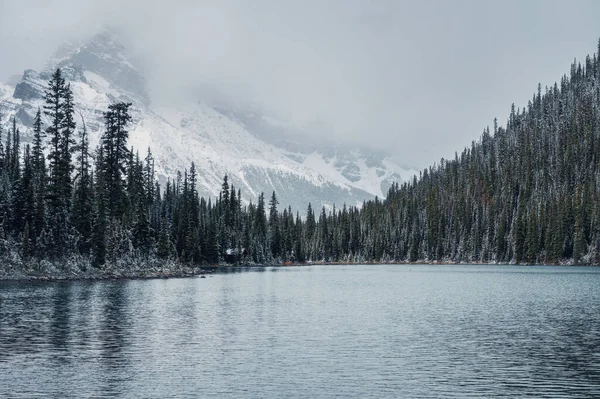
(2,154)
(38,142)
(260,231)
(83,201)
(39,166)
(23,200)
(67,147)
(116,154)
(149,177)
(274,230)
(15,155)
(59,109)
(164,250)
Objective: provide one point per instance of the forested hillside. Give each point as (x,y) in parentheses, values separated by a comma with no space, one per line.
(524,193)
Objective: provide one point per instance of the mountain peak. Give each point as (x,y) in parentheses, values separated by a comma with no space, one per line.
(105,55)
(259,152)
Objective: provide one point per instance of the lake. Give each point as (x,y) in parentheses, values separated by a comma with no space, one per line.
(307,332)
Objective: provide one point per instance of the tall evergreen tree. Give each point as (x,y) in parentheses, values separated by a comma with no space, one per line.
(274,229)
(83,201)
(116,154)
(59,109)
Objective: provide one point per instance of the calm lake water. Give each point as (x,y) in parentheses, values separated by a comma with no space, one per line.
(321,331)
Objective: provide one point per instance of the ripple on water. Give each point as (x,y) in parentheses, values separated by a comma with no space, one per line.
(348,331)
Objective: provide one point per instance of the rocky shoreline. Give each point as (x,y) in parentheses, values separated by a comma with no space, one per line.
(81,270)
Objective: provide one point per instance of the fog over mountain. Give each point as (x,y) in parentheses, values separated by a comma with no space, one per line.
(350,71)
(258,153)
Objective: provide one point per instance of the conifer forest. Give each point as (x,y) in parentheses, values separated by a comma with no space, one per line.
(526,192)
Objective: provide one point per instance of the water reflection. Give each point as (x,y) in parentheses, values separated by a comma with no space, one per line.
(112,337)
(60,297)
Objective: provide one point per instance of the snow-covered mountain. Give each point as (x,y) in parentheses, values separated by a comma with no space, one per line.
(254,150)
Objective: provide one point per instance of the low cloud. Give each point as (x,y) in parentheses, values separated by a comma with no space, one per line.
(420,79)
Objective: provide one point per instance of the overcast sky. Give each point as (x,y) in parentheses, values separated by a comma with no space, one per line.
(419,78)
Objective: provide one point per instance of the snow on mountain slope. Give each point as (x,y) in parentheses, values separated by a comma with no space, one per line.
(6,90)
(365,169)
(372,179)
(217,140)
